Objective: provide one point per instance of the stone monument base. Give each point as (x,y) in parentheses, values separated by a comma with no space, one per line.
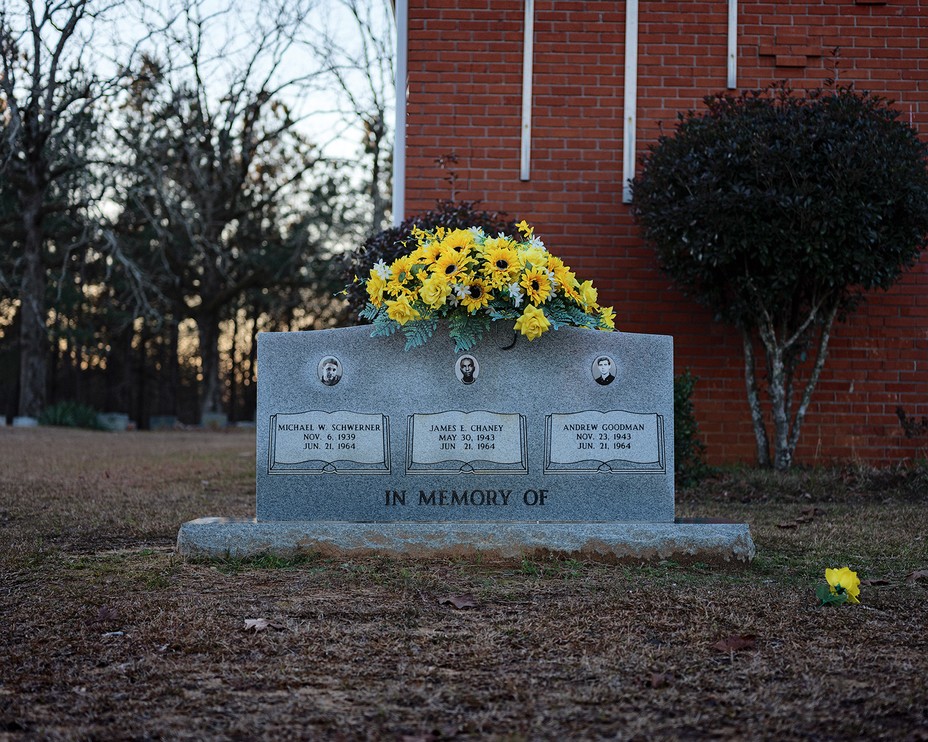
(684,541)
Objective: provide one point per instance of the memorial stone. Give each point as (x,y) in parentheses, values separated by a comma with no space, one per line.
(562,444)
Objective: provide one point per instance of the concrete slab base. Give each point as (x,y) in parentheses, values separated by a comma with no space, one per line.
(710,542)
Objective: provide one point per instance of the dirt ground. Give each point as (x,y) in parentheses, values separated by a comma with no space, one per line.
(108,634)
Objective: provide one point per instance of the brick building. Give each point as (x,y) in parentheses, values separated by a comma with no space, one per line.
(604,76)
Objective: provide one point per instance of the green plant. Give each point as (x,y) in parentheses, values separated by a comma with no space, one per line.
(393,242)
(689,463)
(778,211)
(71,415)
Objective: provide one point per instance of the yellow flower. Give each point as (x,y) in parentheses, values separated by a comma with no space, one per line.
(537,257)
(400,310)
(525,228)
(588,294)
(435,289)
(607,317)
(427,253)
(537,285)
(533,323)
(843,581)
(459,239)
(501,266)
(562,274)
(400,274)
(375,288)
(477,295)
(449,264)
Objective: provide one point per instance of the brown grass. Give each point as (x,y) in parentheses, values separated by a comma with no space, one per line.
(107,634)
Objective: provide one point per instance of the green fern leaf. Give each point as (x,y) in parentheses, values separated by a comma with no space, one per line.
(384,326)
(467,329)
(369,312)
(418,332)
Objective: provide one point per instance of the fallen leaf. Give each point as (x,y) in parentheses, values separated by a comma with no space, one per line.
(260,624)
(735,643)
(918,575)
(465,600)
(791,524)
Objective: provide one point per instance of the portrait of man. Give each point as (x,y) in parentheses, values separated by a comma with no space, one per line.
(330,371)
(604,370)
(467,369)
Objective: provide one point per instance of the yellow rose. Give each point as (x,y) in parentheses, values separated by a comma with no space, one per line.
(588,294)
(533,323)
(375,288)
(401,310)
(537,257)
(844,581)
(434,291)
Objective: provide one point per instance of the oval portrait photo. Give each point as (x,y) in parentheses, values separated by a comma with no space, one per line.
(604,370)
(330,371)
(467,369)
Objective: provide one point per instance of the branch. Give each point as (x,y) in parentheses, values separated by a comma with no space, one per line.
(813,379)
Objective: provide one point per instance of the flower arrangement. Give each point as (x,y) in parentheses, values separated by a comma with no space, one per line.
(843,587)
(471,280)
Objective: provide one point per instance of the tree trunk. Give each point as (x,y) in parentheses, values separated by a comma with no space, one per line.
(776,383)
(210,392)
(33,338)
(757,414)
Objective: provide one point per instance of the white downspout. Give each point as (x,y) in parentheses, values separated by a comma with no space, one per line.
(732,44)
(631,97)
(399,130)
(527,56)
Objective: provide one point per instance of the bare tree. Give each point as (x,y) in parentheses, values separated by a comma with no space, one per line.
(50,97)
(354,45)
(222,171)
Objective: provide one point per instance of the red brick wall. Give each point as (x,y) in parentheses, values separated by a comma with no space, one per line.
(465,83)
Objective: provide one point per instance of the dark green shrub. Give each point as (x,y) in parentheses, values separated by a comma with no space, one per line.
(689,463)
(70,415)
(391,243)
(778,211)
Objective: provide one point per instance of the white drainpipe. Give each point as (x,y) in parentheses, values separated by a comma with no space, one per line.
(732,44)
(399,130)
(631,98)
(527,53)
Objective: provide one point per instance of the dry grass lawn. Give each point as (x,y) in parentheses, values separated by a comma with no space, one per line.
(107,634)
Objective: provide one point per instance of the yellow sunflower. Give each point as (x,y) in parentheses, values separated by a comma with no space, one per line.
(477,295)
(400,275)
(461,240)
(537,285)
(501,266)
(450,264)
(428,252)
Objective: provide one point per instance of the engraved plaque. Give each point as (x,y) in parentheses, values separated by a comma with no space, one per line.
(615,442)
(317,442)
(477,442)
